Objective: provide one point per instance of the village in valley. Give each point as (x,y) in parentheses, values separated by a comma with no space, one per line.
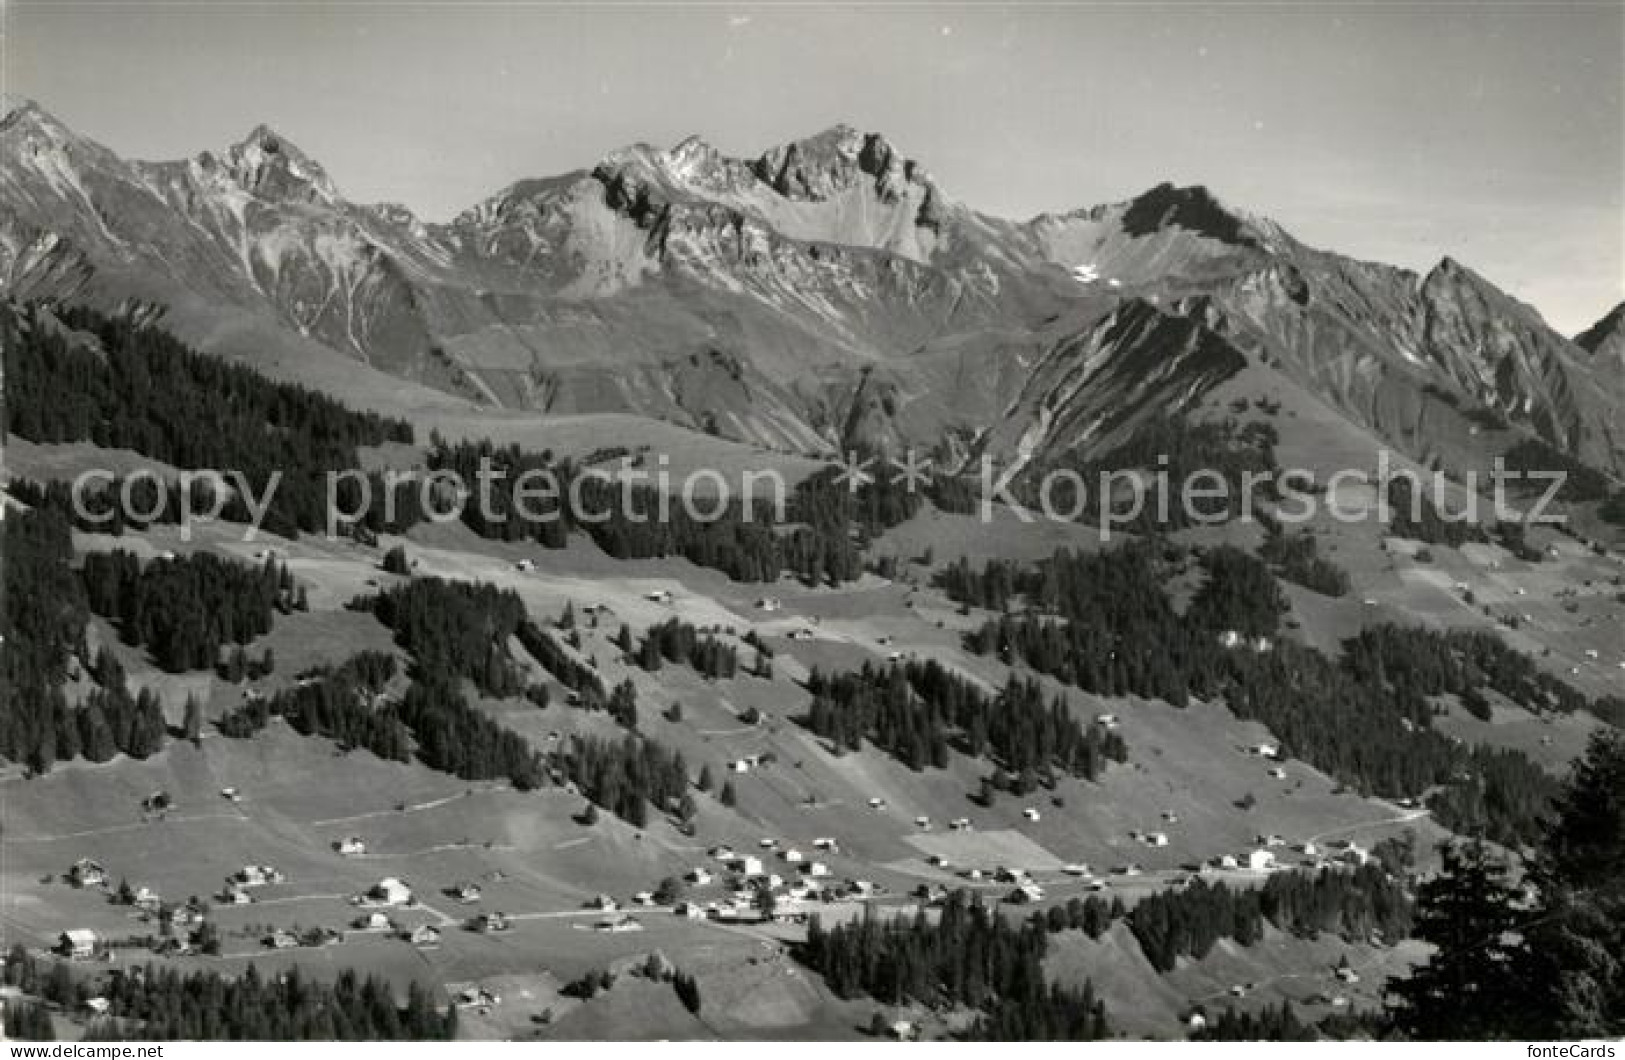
(613,553)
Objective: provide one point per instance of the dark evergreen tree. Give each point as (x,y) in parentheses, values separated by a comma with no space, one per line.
(1470,988)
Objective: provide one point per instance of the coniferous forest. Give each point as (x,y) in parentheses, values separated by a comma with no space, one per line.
(968,955)
(142,389)
(44,617)
(1105,623)
(680,642)
(183,609)
(919,711)
(1353,903)
(154,1003)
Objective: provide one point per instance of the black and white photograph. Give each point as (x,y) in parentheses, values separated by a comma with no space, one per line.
(800,523)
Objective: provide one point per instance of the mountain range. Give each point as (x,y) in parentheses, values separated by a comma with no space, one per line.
(826,294)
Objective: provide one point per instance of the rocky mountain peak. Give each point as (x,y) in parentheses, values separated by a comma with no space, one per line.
(19,110)
(271,166)
(824,165)
(38,128)
(1192,208)
(1605,338)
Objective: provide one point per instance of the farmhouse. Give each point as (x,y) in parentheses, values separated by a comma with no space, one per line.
(1031,813)
(815,868)
(350,847)
(372,922)
(477,997)
(233,895)
(492,922)
(793,856)
(280,940)
(698,876)
(79,943)
(390,891)
(87,873)
(257,876)
(425,935)
(748,865)
(1157,839)
(1025,893)
(604,904)
(466,892)
(1261,860)
(98,1006)
(185,916)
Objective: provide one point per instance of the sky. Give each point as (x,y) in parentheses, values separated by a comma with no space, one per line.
(1401,132)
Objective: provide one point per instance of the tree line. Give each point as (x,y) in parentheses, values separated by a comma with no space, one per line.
(1104,623)
(681,642)
(1296,558)
(135,386)
(1416,516)
(1177,450)
(917,711)
(43,622)
(453,629)
(339,703)
(459,631)
(1351,903)
(157,1003)
(182,609)
(966,956)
